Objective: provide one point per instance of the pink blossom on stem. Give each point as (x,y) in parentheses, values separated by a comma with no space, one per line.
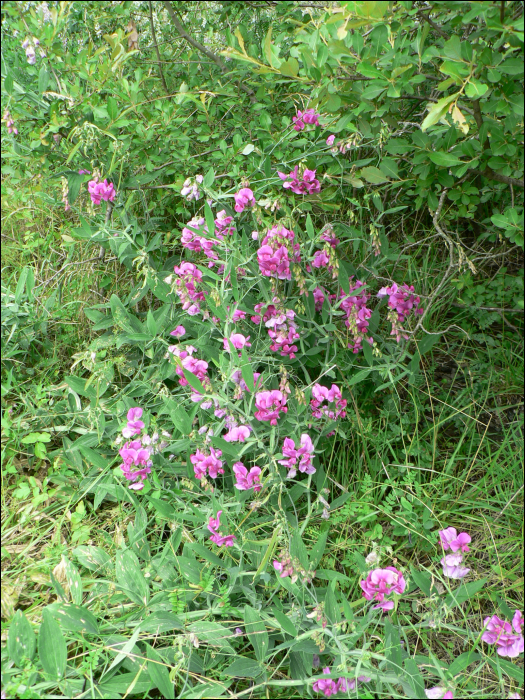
(219,540)
(245,479)
(178,332)
(321,259)
(238,341)
(329,687)
(300,458)
(330,140)
(134,425)
(270,404)
(318,298)
(452,568)
(357,315)
(243,198)
(238,433)
(223,224)
(439,692)
(332,396)
(306,183)
(134,454)
(508,640)
(207,463)
(101,191)
(381,583)
(451,540)
(401,302)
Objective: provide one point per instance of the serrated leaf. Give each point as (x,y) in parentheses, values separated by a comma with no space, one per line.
(130,577)
(256,631)
(52,648)
(73,617)
(21,640)
(373,175)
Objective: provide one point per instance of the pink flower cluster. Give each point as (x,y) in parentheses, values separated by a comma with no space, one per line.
(332,396)
(207,464)
(238,340)
(507,637)
(300,183)
(381,583)
(188,278)
(329,687)
(247,480)
(244,198)
(196,236)
(439,692)
(357,315)
(134,425)
(281,325)
(269,405)
(134,454)
(300,458)
(276,252)
(452,563)
(190,189)
(101,191)
(307,117)
(220,540)
(197,367)
(9,122)
(238,433)
(401,302)
(329,236)
(242,386)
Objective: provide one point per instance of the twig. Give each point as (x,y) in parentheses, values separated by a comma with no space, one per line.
(434,26)
(153,34)
(102,250)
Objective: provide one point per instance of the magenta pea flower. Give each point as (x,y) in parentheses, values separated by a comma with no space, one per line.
(381,583)
(178,332)
(134,425)
(270,404)
(300,458)
(207,464)
(134,454)
(101,191)
(330,140)
(243,198)
(321,259)
(84,172)
(450,539)
(238,433)
(237,340)
(439,692)
(245,479)
(452,568)
(220,540)
(507,637)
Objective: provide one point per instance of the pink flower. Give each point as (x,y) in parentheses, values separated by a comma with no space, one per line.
(333,395)
(500,632)
(270,404)
(330,140)
(452,568)
(450,539)
(223,224)
(517,622)
(237,340)
(134,454)
(321,259)
(439,692)
(238,434)
(134,425)
(329,687)
(178,332)
(213,527)
(298,458)
(101,191)
(244,198)
(203,463)
(383,582)
(239,315)
(401,302)
(307,183)
(308,117)
(318,298)
(247,479)
(84,172)
(274,263)
(284,567)
(357,315)
(329,236)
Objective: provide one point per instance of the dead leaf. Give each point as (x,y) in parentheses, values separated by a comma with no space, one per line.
(133,36)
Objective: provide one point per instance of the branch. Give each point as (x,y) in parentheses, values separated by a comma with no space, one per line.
(157,48)
(197,45)
(434,26)
(102,251)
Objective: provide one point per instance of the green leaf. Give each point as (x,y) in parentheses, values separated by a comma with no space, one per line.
(317,551)
(161,621)
(164,509)
(414,678)
(461,662)
(256,631)
(310,227)
(112,108)
(285,623)
(209,178)
(464,592)
(374,175)
(214,634)
(422,580)
(52,648)
(344,280)
(332,607)
(159,673)
(438,110)
(193,381)
(444,159)
(151,323)
(475,89)
(510,669)
(43,79)
(268,47)
(389,168)
(290,67)
(32,438)
(243,668)
(249,148)
(8,83)
(130,577)
(373,91)
(74,618)
(393,648)
(202,551)
(74,581)
(21,641)
(247,371)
